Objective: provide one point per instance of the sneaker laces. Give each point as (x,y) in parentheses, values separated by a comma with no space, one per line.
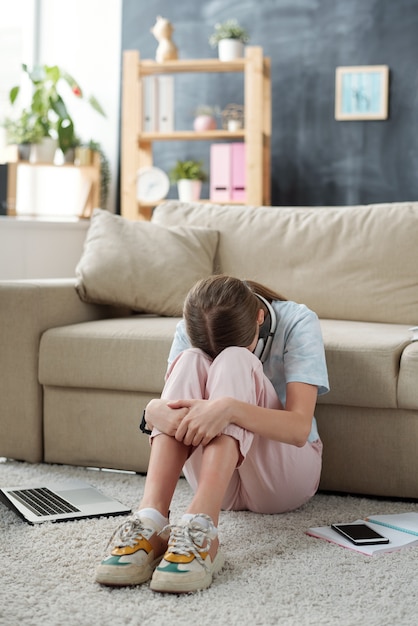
(189,538)
(128,533)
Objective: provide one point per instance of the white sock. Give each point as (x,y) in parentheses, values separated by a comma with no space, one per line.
(154,515)
(202,520)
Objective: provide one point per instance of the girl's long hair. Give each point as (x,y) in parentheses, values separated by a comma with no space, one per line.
(221,311)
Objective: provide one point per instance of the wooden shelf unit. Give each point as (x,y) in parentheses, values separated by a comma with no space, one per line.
(90,175)
(136,145)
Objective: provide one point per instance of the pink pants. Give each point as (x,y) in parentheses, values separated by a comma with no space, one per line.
(273,477)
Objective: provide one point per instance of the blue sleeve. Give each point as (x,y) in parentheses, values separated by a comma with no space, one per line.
(180,343)
(304,354)
(297,352)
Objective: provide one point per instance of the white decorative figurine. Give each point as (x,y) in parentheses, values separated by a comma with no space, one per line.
(162,31)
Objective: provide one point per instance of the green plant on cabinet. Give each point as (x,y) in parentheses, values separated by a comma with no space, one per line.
(47,115)
(189,170)
(105,174)
(230,29)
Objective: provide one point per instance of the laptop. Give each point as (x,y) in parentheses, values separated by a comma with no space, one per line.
(60,502)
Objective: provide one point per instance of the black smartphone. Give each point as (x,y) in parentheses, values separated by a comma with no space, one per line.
(360,534)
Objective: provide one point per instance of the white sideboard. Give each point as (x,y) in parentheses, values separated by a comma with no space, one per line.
(40,248)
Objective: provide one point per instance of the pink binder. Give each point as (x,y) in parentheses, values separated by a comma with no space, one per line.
(220,172)
(238,172)
(227,172)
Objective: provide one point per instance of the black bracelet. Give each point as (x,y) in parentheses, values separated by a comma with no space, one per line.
(143,425)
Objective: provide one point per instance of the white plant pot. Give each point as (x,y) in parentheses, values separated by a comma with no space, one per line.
(189,190)
(69,156)
(43,152)
(230,49)
(23,150)
(234,125)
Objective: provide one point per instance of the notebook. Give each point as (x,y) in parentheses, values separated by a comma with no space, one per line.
(406,522)
(59,502)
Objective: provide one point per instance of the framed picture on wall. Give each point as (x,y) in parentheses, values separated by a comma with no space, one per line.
(362,92)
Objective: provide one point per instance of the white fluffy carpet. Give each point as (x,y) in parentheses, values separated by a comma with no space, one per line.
(275,574)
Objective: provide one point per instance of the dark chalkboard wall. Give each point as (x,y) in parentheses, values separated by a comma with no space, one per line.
(315,159)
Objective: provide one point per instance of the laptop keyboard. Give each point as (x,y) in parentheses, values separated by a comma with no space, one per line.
(44,502)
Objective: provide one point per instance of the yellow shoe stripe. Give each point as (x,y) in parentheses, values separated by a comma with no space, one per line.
(140,544)
(182,558)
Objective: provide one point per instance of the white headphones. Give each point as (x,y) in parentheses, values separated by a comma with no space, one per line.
(267,330)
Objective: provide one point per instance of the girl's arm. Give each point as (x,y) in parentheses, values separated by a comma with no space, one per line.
(290,425)
(205,419)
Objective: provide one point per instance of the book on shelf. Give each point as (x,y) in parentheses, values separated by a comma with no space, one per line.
(149,104)
(158,104)
(397,533)
(165,91)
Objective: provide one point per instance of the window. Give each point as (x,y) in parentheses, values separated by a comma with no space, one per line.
(18,36)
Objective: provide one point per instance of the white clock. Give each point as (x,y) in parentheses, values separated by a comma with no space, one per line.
(152,185)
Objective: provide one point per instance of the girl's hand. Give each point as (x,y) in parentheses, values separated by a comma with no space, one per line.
(204,420)
(159,414)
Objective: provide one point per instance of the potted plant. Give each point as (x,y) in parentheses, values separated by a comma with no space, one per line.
(84,155)
(105,176)
(205,117)
(230,38)
(49,113)
(22,132)
(189,176)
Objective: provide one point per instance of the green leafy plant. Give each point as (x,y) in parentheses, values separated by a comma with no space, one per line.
(207,109)
(22,129)
(48,112)
(192,170)
(228,30)
(105,174)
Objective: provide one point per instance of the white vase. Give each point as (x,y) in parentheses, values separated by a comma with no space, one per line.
(230,49)
(189,190)
(43,152)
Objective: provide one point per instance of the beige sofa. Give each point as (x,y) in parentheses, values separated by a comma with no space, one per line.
(75,375)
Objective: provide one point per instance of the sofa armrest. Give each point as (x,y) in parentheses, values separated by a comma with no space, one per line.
(27,309)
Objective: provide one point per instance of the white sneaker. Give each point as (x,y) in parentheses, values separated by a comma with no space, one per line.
(136,548)
(187,565)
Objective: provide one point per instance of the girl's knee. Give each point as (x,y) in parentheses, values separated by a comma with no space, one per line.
(236,352)
(238,373)
(194,355)
(239,363)
(190,358)
(236,359)
(187,375)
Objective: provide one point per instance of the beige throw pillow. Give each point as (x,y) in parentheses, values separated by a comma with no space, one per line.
(141,265)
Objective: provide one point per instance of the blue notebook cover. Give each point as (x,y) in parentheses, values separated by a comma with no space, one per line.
(406,522)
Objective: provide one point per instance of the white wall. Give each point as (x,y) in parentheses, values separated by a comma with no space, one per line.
(84,37)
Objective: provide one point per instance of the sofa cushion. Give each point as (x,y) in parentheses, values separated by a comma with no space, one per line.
(365,363)
(363,359)
(127,354)
(141,265)
(348,263)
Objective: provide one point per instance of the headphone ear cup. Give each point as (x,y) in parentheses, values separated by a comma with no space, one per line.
(259,348)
